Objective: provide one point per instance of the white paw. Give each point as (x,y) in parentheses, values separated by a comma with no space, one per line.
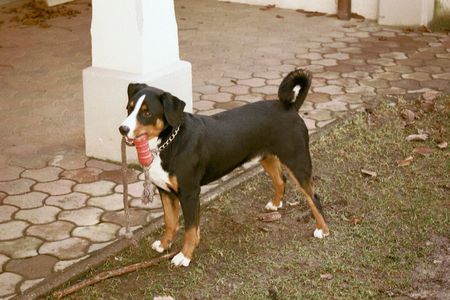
(180,260)
(270,206)
(318,233)
(157,246)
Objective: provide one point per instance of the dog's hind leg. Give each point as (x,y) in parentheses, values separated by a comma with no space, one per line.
(171,207)
(272,165)
(302,177)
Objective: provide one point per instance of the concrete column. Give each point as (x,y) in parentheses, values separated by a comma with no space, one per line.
(132,41)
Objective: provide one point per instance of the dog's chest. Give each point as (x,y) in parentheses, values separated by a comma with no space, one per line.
(158,175)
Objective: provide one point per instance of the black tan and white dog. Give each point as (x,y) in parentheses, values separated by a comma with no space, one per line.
(192,150)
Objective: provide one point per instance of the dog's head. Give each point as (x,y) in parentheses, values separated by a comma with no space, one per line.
(150,111)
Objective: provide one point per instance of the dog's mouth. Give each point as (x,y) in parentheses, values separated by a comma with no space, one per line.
(129,134)
(132,141)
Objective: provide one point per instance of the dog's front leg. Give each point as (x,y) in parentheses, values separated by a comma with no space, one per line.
(171,207)
(191,213)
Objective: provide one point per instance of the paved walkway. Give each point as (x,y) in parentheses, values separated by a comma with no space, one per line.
(58,207)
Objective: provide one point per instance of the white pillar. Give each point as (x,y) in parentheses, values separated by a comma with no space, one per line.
(132,41)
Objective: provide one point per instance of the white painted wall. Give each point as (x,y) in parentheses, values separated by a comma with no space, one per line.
(325,6)
(405,12)
(388,12)
(366,8)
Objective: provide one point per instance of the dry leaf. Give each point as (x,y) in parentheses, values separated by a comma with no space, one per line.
(269,217)
(264,228)
(405,162)
(425,151)
(370,173)
(431,95)
(326,276)
(442,145)
(424,28)
(355,220)
(408,115)
(267,7)
(417,137)
(427,105)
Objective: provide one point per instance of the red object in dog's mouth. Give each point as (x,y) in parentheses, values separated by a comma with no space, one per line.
(144,154)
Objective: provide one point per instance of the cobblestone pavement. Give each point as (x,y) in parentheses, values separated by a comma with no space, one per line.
(58,207)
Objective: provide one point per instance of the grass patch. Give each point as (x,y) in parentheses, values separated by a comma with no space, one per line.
(440,23)
(383,228)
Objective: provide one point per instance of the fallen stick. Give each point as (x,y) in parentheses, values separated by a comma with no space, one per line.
(111,273)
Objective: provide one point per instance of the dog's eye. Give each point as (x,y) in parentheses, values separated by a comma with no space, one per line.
(147,114)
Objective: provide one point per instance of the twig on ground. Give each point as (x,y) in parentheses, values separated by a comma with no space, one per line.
(112,273)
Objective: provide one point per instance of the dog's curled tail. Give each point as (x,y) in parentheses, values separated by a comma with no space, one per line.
(294,88)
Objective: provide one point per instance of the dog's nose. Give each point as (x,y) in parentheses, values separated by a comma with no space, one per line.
(124,129)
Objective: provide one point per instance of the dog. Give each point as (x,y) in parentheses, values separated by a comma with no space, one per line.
(193,150)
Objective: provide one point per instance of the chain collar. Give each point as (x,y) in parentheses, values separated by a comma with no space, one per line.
(169,140)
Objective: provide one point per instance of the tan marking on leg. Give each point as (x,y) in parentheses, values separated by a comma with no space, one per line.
(191,240)
(173,183)
(272,166)
(171,217)
(198,236)
(308,192)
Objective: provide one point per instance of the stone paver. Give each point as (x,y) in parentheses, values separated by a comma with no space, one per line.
(40,215)
(15,187)
(33,267)
(6,212)
(10,173)
(110,202)
(58,187)
(102,232)
(54,231)
(58,206)
(12,230)
(28,200)
(69,201)
(65,249)
(8,282)
(42,175)
(83,216)
(20,248)
(84,175)
(97,188)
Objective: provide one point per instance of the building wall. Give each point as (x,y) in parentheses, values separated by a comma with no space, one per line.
(366,8)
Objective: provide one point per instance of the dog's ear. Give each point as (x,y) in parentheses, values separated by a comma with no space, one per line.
(173,109)
(133,88)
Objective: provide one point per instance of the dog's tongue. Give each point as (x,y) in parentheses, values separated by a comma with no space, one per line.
(143,150)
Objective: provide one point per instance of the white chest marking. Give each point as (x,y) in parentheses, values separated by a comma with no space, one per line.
(158,175)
